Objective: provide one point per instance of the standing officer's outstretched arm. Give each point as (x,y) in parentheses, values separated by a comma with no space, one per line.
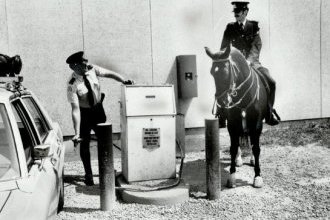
(102,72)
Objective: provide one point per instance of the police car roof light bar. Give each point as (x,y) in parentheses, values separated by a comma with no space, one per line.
(11,83)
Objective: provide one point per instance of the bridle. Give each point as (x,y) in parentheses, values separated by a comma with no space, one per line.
(228,95)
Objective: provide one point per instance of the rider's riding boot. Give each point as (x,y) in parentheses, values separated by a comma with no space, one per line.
(270,117)
(221,115)
(271,120)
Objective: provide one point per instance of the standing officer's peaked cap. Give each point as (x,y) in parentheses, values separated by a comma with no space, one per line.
(76,58)
(240,5)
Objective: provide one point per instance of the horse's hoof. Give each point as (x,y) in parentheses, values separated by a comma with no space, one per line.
(258,182)
(252,161)
(239,162)
(231,182)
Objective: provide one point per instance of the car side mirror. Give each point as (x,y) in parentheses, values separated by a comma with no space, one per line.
(41,151)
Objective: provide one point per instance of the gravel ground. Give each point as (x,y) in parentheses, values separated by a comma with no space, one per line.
(296,186)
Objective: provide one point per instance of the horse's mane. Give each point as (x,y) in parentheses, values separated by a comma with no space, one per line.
(239,60)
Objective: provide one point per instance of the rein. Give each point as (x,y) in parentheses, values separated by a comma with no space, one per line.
(232,91)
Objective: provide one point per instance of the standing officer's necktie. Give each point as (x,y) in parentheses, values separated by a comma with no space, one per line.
(90,91)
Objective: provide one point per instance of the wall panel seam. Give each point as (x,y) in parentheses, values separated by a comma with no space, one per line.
(151,46)
(7,24)
(82,24)
(321,87)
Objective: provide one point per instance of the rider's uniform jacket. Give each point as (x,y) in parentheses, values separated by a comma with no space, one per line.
(246,39)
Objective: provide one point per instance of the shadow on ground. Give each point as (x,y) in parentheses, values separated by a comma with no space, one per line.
(79,210)
(78,182)
(194,174)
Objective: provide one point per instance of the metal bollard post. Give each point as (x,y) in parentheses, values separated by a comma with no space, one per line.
(213,181)
(106,166)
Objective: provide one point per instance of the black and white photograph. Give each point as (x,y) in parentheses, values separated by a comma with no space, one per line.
(173,109)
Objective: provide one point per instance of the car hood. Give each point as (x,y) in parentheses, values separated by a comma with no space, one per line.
(12,199)
(3,198)
(6,188)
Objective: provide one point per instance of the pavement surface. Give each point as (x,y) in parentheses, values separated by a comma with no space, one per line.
(296,184)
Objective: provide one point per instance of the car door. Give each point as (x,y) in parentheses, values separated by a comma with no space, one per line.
(34,131)
(48,136)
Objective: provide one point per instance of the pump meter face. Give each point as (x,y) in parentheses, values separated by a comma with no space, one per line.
(31,157)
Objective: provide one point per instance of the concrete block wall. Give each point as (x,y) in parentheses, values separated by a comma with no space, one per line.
(325,57)
(141,39)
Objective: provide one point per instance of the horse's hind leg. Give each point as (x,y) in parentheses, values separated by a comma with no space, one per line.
(233,152)
(258,182)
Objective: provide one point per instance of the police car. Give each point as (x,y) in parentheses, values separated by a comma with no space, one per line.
(31,156)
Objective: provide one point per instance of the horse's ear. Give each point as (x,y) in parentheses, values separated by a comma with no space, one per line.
(208,52)
(227,51)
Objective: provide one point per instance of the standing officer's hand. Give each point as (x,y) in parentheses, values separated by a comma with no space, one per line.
(76,140)
(128,82)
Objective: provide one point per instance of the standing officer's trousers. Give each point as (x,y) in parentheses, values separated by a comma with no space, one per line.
(90,117)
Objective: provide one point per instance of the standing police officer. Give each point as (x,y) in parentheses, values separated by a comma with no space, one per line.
(244,35)
(84,94)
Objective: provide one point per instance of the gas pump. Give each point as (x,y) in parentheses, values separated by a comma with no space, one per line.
(148,116)
(148,146)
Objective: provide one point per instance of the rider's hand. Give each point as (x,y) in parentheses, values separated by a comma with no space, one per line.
(249,62)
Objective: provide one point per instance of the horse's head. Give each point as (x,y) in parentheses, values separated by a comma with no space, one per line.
(221,70)
(16,64)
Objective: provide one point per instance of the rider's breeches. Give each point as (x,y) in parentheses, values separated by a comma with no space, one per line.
(271,82)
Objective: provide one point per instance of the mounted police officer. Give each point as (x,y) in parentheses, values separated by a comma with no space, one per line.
(244,35)
(84,94)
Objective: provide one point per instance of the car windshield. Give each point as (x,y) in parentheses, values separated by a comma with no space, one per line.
(9,168)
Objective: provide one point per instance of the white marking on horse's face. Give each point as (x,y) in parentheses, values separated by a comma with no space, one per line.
(216,69)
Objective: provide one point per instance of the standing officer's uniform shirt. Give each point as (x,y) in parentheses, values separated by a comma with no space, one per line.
(77,90)
(246,39)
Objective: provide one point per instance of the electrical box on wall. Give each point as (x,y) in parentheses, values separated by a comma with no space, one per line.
(187,76)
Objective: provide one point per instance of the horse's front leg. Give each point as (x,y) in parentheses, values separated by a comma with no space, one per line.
(233,153)
(258,182)
(238,159)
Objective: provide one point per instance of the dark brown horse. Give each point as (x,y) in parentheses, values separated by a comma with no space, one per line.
(241,93)
(10,65)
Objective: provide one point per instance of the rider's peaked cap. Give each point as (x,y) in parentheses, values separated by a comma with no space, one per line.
(240,5)
(76,58)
